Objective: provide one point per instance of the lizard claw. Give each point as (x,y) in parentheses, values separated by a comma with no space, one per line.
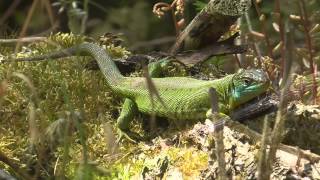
(129,135)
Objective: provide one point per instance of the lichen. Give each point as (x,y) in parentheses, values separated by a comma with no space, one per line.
(228,7)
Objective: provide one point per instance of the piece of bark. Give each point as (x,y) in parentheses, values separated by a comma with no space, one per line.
(194,57)
(210,24)
(256,107)
(190,58)
(216,49)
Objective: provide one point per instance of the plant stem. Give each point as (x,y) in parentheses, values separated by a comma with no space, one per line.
(313,67)
(264,29)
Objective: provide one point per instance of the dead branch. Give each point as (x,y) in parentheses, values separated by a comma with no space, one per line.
(210,24)
(22,40)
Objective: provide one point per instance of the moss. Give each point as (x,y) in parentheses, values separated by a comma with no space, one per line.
(60,86)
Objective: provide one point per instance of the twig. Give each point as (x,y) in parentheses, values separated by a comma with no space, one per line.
(49,10)
(43,57)
(240,58)
(277,132)
(282,35)
(263,169)
(218,123)
(153,95)
(22,40)
(9,11)
(306,26)
(85,17)
(264,28)
(256,46)
(289,58)
(27,22)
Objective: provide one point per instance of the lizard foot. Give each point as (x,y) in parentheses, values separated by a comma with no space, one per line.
(129,135)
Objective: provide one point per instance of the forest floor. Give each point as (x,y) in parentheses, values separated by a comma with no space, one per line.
(40,97)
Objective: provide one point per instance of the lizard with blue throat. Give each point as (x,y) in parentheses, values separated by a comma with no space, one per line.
(180,98)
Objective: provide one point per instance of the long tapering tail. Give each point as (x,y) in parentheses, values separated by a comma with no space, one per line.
(106,64)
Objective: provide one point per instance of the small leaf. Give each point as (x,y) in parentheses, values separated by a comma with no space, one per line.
(315,29)
(295,18)
(56,4)
(257,34)
(276,27)
(277,47)
(61,10)
(262,17)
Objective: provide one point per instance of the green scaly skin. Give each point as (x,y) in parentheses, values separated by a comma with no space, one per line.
(184,98)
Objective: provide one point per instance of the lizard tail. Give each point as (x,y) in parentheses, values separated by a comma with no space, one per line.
(105,62)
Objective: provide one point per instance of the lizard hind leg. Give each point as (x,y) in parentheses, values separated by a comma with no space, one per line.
(129,109)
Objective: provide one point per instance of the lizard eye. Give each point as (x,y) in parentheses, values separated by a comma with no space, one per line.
(247,81)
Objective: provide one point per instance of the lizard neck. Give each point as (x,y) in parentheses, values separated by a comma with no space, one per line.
(224,88)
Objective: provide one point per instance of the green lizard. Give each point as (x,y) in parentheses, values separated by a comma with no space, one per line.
(182,98)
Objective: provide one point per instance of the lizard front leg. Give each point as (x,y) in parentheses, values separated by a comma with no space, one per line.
(156,69)
(167,68)
(129,109)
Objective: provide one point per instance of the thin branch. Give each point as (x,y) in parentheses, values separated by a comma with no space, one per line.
(27,22)
(22,40)
(49,10)
(263,168)
(9,11)
(282,35)
(278,128)
(218,124)
(264,27)
(256,46)
(85,17)
(306,26)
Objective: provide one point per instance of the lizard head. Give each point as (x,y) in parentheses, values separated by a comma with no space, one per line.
(246,85)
